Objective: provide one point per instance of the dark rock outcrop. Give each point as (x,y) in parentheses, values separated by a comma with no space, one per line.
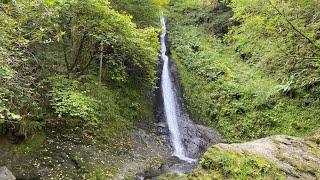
(198,138)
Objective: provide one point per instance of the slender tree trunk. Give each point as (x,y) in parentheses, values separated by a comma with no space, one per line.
(101,57)
(215,3)
(79,51)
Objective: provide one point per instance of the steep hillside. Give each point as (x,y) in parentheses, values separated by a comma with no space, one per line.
(225,90)
(236,80)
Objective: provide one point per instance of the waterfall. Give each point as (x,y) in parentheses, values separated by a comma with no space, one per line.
(171,106)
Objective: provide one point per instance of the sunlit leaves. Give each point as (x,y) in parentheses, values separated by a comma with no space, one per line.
(145,12)
(40,39)
(127,49)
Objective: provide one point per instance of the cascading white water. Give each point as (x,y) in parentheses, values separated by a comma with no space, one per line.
(170,101)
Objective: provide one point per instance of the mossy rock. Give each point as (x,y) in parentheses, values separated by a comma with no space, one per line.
(275,157)
(172,176)
(218,163)
(315,137)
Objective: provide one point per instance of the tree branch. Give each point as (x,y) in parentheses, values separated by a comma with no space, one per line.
(293,27)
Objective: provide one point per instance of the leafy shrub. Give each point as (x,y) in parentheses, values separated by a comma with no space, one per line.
(106,113)
(84,99)
(74,104)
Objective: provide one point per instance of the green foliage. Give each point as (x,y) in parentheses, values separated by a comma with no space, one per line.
(74,104)
(224,92)
(107,114)
(145,12)
(30,146)
(75,99)
(190,4)
(282,39)
(67,101)
(49,53)
(78,27)
(18,100)
(218,163)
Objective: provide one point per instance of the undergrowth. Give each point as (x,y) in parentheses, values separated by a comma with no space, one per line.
(107,113)
(224,92)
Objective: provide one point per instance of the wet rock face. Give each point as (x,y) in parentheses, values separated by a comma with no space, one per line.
(147,156)
(6,174)
(196,138)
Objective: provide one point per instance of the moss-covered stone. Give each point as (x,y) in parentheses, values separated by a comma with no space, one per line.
(218,163)
(275,157)
(153,166)
(172,176)
(315,137)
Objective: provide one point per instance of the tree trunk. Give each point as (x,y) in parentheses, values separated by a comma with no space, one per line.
(215,4)
(101,57)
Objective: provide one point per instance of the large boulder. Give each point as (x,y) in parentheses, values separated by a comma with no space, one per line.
(280,155)
(297,157)
(6,174)
(197,138)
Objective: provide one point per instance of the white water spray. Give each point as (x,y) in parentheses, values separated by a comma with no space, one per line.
(170,101)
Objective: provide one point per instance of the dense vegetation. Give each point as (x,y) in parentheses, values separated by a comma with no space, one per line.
(77,75)
(74,73)
(257,73)
(76,63)
(283,42)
